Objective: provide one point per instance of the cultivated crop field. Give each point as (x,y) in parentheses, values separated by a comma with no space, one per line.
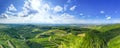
(62,36)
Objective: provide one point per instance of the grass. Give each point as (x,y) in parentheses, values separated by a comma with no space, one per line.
(30,36)
(114,43)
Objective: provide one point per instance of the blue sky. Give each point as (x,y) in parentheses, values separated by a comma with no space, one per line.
(60,11)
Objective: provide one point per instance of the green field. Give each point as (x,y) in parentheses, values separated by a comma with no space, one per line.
(38,36)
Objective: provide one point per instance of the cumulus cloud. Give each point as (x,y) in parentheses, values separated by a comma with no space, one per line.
(42,14)
(35,11)
(4,16)
(108,18)
(10,11)
(46,7)
(73,8)
(102,12)
(12,8)
(35,4)
(58,9)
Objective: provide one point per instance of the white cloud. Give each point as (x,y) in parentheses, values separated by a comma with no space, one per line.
(36,4)
(108,18)
(25,8)
(43,15)
(102,12)
(73,8)
(58,9)
(66,15)
(4,15)
(46,7)
(12,8)
(9,12)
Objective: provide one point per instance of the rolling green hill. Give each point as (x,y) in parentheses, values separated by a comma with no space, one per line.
(37,36)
